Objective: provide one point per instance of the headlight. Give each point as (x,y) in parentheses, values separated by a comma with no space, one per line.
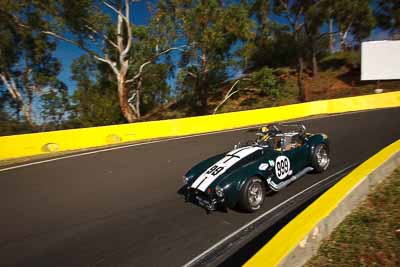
(186,179)
(219,191)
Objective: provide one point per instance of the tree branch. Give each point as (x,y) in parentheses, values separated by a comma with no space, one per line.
(326,33)
(8,86)
(102,35)
(128,29)
(105,59)
(229,94)
(192,74)
(139,73)
(119,13)
(130,102)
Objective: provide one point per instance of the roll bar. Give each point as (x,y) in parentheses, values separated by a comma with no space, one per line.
(280,128)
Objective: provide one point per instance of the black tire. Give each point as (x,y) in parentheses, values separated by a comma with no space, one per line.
(320,158)
(245,202)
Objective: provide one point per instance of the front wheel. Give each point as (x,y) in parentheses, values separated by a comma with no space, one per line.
(252,195)
(320,158)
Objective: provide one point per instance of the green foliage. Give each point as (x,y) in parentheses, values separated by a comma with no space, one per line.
(95,101)
(9,124)
(269,84)
(95,106)
(276,49)
(155,89)
(27,65)
(354,16)
(55,105)
(388,15)
(210,29)
(340,59)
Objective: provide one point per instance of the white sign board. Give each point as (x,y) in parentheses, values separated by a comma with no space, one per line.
(380,60)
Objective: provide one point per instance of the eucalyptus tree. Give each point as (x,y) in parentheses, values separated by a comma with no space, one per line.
(293,12)
(55,106)
(26,62)
(315,16)
(105,31)
(352,17)
(95,100)
(213,29)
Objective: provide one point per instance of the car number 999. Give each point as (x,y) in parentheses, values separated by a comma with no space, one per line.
(282,167)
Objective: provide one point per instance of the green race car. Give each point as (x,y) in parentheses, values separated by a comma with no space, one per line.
(280,155)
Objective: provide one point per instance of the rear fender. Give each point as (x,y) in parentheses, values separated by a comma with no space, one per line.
(315,140)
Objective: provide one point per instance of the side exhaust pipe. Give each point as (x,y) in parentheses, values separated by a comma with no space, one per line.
(280,186)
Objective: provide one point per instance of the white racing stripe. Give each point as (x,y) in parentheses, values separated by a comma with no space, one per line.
(217,169)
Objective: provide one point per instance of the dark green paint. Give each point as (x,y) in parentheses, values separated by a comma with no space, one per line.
(234,178)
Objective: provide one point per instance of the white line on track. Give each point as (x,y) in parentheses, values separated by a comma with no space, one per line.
(194,260)
(161,140)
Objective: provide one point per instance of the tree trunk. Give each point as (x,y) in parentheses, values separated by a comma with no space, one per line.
(27,108)
(203,82)
(138,89)
(331,41)
(314,63)
(343,37)
(204,97)
(17,97)
(300,83)
(342,41)
(28,116)
(123,101)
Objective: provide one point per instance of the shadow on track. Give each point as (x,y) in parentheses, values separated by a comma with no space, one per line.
(242,255)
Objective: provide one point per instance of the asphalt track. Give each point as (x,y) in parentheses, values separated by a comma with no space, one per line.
(121,207)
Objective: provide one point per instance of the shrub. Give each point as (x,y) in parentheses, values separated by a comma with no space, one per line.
(267,81)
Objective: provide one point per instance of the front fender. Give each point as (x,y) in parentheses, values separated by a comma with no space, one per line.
(201,167)
(234,183)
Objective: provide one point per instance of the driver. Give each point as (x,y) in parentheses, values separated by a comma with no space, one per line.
(263,136)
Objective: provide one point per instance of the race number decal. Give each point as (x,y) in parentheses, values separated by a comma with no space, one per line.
(282,167)
(214,170)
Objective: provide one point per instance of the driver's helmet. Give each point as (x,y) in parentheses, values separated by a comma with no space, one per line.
(263,133)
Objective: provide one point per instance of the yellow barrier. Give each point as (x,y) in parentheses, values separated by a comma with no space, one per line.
(298,228)
(41,143)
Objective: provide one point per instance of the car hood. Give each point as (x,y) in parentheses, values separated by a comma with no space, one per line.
(223,167)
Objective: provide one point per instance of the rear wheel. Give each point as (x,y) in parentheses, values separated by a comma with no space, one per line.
(252,195)
(320,158)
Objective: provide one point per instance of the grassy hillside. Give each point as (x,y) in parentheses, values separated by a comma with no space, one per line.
(370,236)
(337,78)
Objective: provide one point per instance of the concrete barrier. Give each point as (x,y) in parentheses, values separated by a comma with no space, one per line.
(44,143)
(300,239)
